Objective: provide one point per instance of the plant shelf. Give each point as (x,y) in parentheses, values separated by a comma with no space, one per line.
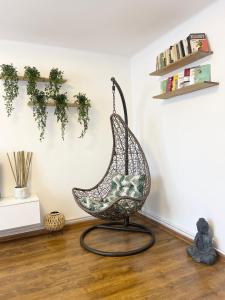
(52,103)
(181,62)
(41,79)
(187,89)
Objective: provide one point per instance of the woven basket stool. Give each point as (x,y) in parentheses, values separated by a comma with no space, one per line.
(54,221)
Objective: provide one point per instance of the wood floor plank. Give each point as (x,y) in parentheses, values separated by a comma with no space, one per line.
(56,267)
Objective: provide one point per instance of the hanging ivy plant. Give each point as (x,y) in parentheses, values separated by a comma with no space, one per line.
(10,77)
(61,108)
(84,104)
(38,99)
(55,83)
(32,75)
(39,111)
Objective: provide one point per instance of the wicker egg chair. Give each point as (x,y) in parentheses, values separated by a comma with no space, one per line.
(127,158)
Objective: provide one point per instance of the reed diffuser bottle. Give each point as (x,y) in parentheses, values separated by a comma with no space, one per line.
(20,165)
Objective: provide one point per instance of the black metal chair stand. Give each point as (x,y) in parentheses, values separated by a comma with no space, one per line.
(125,226)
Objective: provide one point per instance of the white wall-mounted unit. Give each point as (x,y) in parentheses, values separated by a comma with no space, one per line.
(16,213)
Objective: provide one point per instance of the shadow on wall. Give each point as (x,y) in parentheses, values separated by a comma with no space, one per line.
(156,202)
(212,229)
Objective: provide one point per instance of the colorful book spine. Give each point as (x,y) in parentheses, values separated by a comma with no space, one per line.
(174,82)
(178,52)
(182,48)
(163,86)
(169,84)
(180,81)
(186,76)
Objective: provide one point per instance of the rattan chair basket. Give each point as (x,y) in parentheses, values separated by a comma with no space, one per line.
(127,158)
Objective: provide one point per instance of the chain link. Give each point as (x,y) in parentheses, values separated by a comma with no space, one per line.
(114,102)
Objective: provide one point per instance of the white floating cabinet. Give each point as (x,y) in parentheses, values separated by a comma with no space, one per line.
(15,213)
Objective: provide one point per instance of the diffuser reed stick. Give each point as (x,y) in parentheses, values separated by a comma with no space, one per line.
(20,167)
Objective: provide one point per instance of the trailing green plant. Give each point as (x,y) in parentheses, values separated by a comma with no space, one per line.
(55,83)
(32,75)
(40,113)
(37,97)
(10,77)
(61,107)
(84,104)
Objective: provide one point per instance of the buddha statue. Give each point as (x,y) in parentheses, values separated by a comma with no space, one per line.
(202,250)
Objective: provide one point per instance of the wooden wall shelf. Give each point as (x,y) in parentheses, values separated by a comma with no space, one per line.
(187,89)
(52,103)
(181,62)
(41,79)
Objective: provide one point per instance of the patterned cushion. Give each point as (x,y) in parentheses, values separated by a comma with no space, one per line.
(121,186)
(97,204)
(127,185)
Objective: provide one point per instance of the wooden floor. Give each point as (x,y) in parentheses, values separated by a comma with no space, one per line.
(55,267)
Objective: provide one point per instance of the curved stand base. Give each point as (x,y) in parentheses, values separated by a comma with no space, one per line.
(131,227)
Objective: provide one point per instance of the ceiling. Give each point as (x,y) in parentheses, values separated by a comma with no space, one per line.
(120,27)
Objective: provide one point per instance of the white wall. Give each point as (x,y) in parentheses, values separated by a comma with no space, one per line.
(59,166)
(184,138)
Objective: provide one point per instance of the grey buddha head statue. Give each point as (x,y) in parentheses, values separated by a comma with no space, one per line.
(202,226)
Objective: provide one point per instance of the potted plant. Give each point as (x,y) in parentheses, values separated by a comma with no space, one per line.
(10,82)
(61,107)
(20,166)
(32,75)
(84,104)
(55,83)
(40,111)
(37,97)
(61,102)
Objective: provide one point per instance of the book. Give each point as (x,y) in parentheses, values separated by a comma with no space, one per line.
(171,55)
(174,82)
(169,84)
(185,44)
(157,63)
(192,75)
(186,77)
(189,44)
(180,81)
(199,45)
(197,36)
(174,52)
(198,42)
(161,61)
(164,59)
(182,48)
(163,86)
(168,56)
(202,73)
(178,51)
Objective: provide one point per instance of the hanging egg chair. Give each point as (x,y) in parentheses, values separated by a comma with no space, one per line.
(123,189)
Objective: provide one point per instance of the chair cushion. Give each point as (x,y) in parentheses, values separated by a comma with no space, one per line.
(97,204)
(127,185)
(121,186)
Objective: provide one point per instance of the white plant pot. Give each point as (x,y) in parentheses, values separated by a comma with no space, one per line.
(21,193)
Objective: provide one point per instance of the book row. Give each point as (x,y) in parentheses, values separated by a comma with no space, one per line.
(193,43)
(187,77)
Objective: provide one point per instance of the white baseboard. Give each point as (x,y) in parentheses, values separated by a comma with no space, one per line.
(36,227)
(178,229)
(167,224)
